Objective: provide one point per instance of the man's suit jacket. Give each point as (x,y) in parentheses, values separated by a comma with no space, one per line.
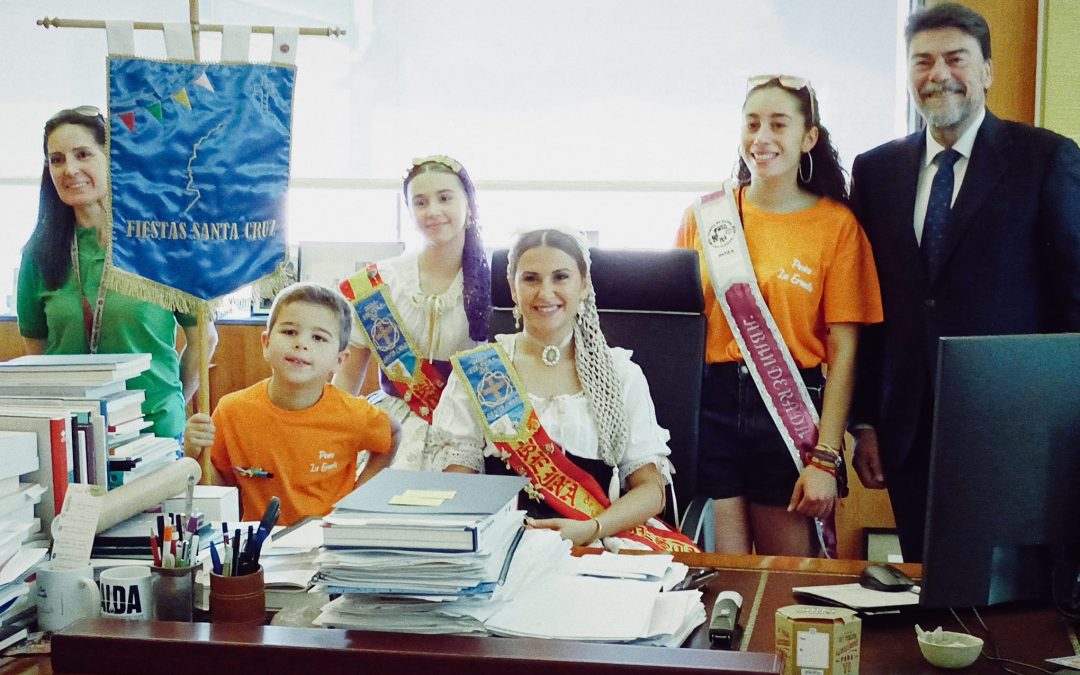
(1011,262)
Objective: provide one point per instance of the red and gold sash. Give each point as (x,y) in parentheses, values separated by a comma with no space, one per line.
(512,425)
(415,379)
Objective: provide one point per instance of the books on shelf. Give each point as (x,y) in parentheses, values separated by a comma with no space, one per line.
(52,430)
(18,454)
(68,369)
(72,390)
(135,425)
(86,438)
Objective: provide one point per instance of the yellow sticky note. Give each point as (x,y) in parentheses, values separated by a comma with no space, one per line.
(431,494)
(406,500)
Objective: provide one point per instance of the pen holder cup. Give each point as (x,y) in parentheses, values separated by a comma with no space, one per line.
(174,592)
(239,600)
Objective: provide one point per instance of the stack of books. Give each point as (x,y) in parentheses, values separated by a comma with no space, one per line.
(422,552)
(19,527)
(17,561)
(18,493)
(80,411)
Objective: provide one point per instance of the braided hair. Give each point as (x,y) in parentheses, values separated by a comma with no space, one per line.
(592,355)
(475,272)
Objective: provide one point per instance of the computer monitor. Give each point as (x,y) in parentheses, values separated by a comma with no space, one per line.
(1004,494)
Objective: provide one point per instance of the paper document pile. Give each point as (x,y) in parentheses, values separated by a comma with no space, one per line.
(453,558)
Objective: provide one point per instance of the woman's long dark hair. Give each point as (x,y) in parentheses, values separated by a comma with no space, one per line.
(50,244)
(829,178)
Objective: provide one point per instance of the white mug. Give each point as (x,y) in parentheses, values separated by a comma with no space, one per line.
(65,596)
(126,592)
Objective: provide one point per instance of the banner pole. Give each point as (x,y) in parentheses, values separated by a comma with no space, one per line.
(193,19)
(204,382)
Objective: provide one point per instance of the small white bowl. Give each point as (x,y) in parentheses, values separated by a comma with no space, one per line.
(959,651)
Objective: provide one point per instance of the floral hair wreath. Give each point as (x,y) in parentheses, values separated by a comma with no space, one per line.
(448,162)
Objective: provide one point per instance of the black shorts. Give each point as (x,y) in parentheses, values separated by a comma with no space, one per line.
(740,451)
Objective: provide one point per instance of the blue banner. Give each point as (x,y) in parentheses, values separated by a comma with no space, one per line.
(199,160)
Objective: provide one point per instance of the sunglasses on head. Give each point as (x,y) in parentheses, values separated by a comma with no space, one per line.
(84,110)
(787,82)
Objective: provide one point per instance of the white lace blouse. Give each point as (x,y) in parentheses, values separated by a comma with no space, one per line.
(457,437)
(436,323)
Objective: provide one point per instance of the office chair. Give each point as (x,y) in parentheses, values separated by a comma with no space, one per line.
(649,302)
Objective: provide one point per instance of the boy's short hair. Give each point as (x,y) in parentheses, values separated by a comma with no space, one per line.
(305,291)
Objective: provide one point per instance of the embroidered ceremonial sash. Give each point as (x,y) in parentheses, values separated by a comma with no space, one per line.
(415,379)
(512,425)
(767,356)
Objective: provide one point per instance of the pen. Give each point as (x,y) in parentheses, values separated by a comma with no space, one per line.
(696,580)
(215,559)
(193,551)
(510,555)
(190,496)
(266,525)
(154,547)
(236,552)
(165,541)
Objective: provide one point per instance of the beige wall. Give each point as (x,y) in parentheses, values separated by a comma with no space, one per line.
(1059,105)
(1014,27)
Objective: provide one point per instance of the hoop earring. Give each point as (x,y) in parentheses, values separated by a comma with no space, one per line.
(517,317)
(810,173)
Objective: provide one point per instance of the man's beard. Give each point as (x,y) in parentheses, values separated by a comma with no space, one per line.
(952,112)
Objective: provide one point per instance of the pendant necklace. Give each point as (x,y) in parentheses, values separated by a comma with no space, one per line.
(550,354)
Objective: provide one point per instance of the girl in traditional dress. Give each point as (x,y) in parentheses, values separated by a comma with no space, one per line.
(813,266)
(437,302)
(571,413)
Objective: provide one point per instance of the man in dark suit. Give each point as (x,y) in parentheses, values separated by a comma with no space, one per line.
(990,246)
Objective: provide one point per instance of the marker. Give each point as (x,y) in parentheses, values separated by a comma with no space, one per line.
(215,559)
(154,547)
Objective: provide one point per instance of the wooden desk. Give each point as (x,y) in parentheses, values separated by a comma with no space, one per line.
(1024,633)
(1027,633)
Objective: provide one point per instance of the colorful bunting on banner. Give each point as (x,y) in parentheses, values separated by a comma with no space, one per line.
(155,110)
(182,98)
(204,82)
(129,120)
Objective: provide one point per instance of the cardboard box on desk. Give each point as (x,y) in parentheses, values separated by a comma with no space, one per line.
(818,640)
(216,502)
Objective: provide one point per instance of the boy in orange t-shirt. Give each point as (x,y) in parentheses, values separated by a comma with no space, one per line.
(294,435)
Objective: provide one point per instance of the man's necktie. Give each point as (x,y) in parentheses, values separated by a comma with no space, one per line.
(936,225)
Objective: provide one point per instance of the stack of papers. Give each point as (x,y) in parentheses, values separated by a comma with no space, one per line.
(454,558)
(427,552)
(288,562)
(538,552)
(14,589)
(605,598)
(413,572)
(854,596)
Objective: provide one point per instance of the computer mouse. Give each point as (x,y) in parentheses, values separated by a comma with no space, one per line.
(885,578)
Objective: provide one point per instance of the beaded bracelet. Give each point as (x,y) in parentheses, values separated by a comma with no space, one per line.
(826,458)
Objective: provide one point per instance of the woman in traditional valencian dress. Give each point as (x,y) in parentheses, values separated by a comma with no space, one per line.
(556,404)
(796,278)
(63,305)
(416,310)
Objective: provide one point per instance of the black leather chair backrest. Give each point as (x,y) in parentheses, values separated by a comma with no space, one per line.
(649,302)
